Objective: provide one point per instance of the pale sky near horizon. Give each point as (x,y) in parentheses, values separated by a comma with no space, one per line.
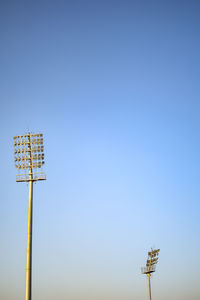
(114,88)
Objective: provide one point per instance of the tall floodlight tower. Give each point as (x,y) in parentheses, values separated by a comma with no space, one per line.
(151,266)
(29,157)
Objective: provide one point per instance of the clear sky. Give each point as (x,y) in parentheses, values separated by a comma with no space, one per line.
(114,88)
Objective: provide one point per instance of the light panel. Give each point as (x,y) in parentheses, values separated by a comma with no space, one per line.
(151,261)
(154,252)
(28,150)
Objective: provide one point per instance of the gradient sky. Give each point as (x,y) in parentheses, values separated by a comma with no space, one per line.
(114,88)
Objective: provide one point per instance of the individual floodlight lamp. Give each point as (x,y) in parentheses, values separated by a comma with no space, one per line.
(151,266)
(29,157)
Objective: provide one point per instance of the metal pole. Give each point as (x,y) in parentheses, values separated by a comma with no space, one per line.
(29,229)
(149,276)
(29,243)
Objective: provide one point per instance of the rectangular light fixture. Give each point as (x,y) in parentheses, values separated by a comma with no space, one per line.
(28,151)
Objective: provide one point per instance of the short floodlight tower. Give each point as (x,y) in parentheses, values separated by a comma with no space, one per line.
(151,266)
(29,157)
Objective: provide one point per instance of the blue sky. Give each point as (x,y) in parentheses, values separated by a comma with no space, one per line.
(114,87)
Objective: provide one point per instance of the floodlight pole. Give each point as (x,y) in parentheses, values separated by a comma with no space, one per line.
(29,230)
(25,145)
(150,266)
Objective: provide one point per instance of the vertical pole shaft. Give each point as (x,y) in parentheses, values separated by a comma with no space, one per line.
(29,229)
(149,276)
(29,243)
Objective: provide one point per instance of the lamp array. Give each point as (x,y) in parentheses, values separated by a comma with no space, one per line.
(28,150)
(151,262)
(152,258)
